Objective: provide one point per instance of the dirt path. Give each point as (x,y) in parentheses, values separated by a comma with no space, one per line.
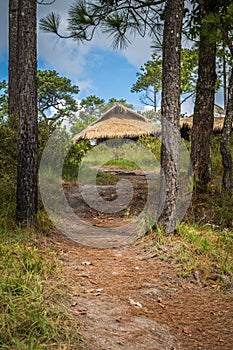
(100,228)
(126,298)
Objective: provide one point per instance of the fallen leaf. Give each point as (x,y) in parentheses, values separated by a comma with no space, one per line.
(89,291)
(95,292)
(88,263)
(162,305)
(186,330)
(197,277)
(135,303)
(160,301)
(74,303)
(81,312)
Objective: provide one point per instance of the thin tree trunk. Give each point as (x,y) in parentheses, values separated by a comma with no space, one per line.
(13,64)
(27,127)
(203,119)
(224,78)
(225,149)
(155,99)
(170,114)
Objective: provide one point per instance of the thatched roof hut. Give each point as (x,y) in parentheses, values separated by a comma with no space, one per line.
(118,122)
(219,114)
(218,122)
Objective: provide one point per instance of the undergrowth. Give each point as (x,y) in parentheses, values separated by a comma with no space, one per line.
(34,307)
(195,247)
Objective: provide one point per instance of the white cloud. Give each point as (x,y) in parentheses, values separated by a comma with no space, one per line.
(66,56)
(139,51)
(148,108)
(69,58)
(187,107)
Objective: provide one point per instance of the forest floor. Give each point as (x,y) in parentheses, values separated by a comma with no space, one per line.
(127,297)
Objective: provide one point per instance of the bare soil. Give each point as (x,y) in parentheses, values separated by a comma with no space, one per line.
(127,298)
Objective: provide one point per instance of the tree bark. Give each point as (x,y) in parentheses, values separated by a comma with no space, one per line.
(227,180)
(27,112)
(13,64)
(170,114)
(224,78)
(155,99)
(203,119)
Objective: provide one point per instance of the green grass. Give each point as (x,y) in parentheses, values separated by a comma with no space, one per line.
(89,175)
(205,249)
(122,163)
(34,308)
(131,155)
(195,247)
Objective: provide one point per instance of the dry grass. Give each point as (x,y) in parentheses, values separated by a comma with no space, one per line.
(118,122)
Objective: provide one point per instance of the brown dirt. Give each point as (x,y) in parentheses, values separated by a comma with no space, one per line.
(126,298)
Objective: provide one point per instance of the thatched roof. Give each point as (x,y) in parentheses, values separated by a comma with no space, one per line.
(219,114)
(218,122)
(118,122)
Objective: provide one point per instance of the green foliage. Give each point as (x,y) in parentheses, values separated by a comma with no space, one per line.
(224,57)
(3,101)
(153,144)
(149,80)
(122,163)
(204,249)
(55,96)
(127,155)
(8,155)
(92,105)
(73,159)
(82,123)
(33,312)
(195,248)
(91,109)
(117,19)
(112,101)
(189,70)
(217,168)
(150,114)
(8,170)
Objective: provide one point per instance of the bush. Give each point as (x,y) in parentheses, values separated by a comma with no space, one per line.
(73,159)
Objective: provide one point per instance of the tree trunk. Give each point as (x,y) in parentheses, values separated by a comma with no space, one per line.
(170,114)
(227,180)
(155,99)
(13,64)
(203,119)
(27,104)
(224,78)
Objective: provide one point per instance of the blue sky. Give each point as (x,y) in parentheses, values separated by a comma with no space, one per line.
(93,66)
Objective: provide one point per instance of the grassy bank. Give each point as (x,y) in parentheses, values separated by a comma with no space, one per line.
(194,248)
(34,307)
